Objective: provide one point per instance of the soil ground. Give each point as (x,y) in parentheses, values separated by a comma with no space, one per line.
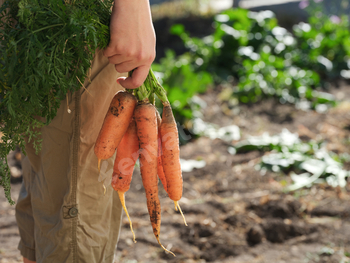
(234,213)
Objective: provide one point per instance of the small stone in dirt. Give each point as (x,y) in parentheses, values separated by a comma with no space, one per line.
(205,232)
(277,209)
(255,235)
(331,211)
(236,220)
(276,230)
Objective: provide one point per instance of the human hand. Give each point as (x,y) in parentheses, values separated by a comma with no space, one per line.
(132,42)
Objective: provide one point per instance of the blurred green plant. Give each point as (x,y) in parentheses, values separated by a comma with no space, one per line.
(306,162)
(324,42)
(265,59)
(182,80)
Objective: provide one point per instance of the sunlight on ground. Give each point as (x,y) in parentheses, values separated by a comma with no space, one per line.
(176,9)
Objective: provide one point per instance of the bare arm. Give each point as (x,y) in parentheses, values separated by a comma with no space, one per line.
(132,43)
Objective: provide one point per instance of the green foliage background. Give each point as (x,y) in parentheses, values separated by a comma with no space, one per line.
(259,59)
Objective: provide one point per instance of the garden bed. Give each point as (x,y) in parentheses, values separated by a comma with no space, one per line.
(234,213)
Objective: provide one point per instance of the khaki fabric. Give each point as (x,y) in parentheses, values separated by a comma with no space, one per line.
(62,212)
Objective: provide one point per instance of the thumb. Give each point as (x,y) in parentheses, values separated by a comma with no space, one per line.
(139,76)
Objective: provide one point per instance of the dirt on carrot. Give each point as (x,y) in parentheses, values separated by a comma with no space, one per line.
(160,169)
(171,154)
(147,132)
(115,124)
(124,166)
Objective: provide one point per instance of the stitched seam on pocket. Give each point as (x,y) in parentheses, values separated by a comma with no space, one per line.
(76,144)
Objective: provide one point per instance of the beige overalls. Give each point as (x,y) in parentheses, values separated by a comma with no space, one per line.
(62,212)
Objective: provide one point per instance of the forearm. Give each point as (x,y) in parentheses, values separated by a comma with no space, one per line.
(132,41)
(133,14)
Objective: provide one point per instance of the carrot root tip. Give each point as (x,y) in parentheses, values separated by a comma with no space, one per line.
(177,206)
(99,165)
(122,201)
(104,189)
(165,248)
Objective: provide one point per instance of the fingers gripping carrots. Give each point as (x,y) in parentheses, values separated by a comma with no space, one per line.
(124,165)
(115,125)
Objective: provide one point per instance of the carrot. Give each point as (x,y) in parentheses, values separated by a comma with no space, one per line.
(171,156)
(160,169)
(115,125)
(124,165)
(147,132)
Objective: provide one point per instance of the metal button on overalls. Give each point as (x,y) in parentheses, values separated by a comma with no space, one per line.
(73,212)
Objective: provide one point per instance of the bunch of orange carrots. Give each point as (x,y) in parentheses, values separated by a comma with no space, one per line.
(133,125)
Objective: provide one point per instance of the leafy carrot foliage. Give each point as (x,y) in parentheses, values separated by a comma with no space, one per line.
(46,49)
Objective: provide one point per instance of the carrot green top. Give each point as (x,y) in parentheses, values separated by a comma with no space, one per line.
(42,58)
